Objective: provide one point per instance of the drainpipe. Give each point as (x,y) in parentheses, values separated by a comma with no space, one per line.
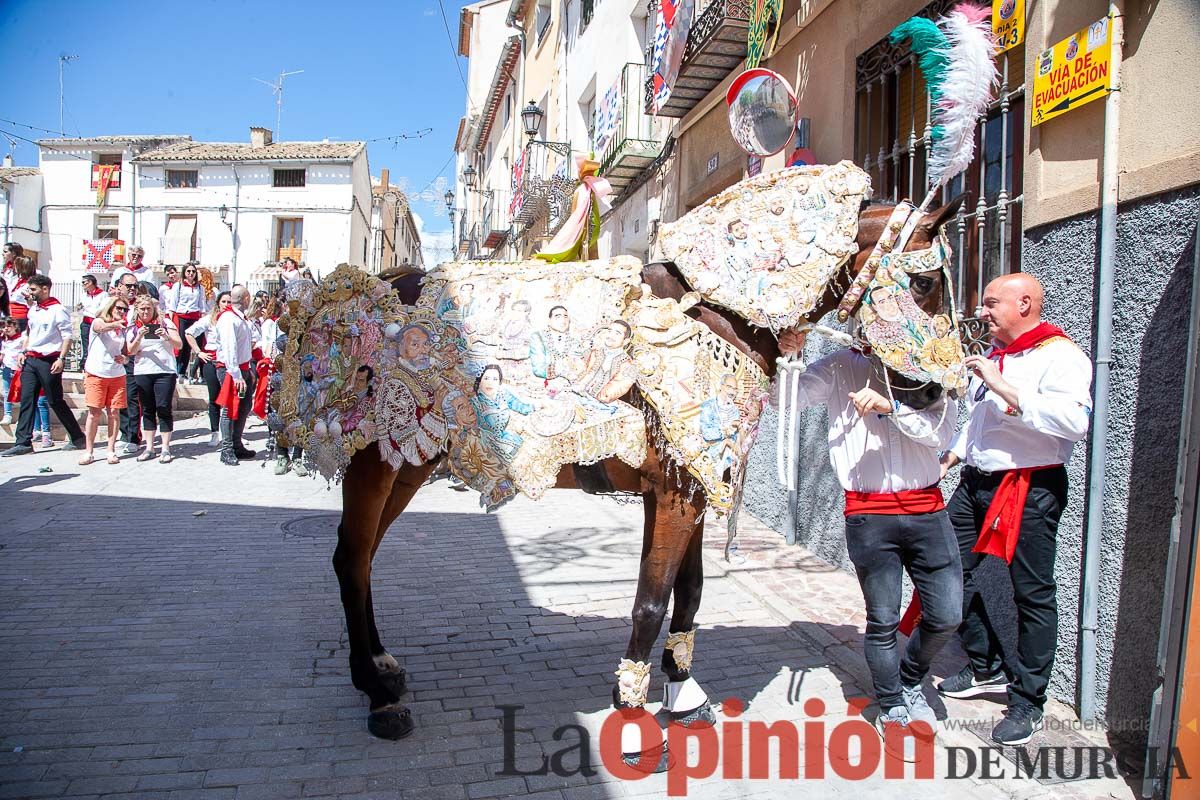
(133,204)
(237,210)
(1103,353)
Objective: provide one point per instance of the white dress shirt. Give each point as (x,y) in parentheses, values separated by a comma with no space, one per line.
(167,295)
(877,453)
(92,303)
(1054,382)
(208,329)
(235,336)
(49,327)
(189,299)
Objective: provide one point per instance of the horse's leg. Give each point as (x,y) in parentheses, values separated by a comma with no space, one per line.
(408,481)
(365,493)
(686,701)
(671,518)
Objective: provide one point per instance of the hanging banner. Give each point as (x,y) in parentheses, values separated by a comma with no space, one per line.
(518,180)
(762,12)
(1008,23)
(101,255)
(104,179)
(1073,72)
(670,40)
(608,117)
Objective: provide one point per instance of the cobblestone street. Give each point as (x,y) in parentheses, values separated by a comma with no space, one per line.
(175,631)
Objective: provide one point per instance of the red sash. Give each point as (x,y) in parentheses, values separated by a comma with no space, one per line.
(228,398)
(1002,522)
(260,389)
(910,501)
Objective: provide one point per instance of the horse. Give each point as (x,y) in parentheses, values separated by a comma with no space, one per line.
(670,566)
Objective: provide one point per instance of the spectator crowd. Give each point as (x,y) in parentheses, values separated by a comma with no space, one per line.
(140,340)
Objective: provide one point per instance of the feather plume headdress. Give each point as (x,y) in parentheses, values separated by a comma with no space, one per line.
(956,55)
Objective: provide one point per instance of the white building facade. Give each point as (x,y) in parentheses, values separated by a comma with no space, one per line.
(237,208)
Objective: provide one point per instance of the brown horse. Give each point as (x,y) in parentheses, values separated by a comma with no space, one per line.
(374,495)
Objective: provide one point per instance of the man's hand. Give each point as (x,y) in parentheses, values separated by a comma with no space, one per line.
(986,369)
(791,342)
(868,400)
(203,356)
(949,460)
(238,383)
(57,366)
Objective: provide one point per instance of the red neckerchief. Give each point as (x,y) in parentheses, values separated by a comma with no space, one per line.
(190,285)
(1027,341)
(168,284)
(16,286)
(14,337)
(8,267)
(229,309)
(47,303)
(90,293)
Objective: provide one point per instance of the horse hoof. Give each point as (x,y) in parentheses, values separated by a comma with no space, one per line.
(650,761)
(393,722)
(702,715)
(395,682)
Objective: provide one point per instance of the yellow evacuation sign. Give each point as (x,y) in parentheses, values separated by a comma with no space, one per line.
(1073,72)
(1008,23)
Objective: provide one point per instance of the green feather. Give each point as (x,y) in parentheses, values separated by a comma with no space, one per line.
(931,48)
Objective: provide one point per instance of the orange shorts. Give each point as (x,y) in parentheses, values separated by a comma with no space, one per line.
(104,392)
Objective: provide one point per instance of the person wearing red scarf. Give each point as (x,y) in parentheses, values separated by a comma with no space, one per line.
(1028,402)
(22,270)
(885,456)
(46,345)
(94,299)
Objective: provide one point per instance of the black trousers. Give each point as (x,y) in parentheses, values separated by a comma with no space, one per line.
(36,378)
(209,370)
(131,414)
(85,337)
(1032,572)
(231,429)
(185,351)
(156,393)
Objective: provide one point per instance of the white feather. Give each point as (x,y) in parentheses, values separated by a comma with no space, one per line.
(966,92)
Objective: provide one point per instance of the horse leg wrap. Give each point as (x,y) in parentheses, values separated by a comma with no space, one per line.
(681,645)
(683,697)
(633,682)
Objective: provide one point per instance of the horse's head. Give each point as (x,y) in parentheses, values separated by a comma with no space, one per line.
(899,326)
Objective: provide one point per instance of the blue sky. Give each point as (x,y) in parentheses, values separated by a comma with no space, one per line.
(371,69)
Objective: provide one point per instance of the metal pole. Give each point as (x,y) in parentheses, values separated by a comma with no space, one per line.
(233,233)
(1103,353)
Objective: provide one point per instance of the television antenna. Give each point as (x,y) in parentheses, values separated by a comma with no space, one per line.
(63,60)
(277,90)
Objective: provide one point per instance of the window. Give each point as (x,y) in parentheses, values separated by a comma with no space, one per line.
(289,238)
(107,226)
(178,245)
(541,19)
(589,119)
(103,159)
(182,178)
(891,144)
(586,9)
(289,178)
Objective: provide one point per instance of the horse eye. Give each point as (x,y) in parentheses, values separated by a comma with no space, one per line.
(923,284)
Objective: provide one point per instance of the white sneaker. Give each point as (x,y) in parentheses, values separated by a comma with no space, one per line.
(7,420)
(215,439)
(129,449)
(47,440)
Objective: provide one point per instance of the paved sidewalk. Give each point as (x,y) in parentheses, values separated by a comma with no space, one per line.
(174,631)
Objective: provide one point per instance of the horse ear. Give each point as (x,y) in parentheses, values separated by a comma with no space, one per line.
(932,222)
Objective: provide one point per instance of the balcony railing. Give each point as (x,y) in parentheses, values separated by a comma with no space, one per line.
(497,220)
(633,139)
(544,180)
(468,242)
(278,252)
(716,45)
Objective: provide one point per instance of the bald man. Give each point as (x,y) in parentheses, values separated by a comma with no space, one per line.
(1028,402)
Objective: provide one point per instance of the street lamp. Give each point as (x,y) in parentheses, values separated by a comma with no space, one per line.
(469,176)
(531,118)
(224,212)
(449,199)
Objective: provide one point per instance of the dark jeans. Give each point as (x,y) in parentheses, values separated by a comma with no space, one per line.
(881,547)
(231,429)
(85,338)
(209,370)
(131,414)
(36,377)
(1032,572)
(156,393)
(185,352)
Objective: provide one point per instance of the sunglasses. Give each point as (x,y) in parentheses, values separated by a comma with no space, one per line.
(120,308)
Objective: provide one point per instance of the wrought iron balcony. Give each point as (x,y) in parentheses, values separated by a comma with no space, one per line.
(716,45)
(497,219)
(633,139)
(543,179)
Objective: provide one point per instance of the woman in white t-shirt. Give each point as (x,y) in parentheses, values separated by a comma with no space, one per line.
(206,326)
(104,376)
(151,341)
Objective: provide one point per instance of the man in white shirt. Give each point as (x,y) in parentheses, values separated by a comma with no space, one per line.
(94,299)
(885,455)
(135,266)
(47,341)
(234,348)
(168,290)
(1028,402)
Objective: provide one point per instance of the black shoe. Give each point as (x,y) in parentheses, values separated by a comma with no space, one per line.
(17,450)
(1019,725)
(965,684)
(244,453)
(227,457)
(74,445)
